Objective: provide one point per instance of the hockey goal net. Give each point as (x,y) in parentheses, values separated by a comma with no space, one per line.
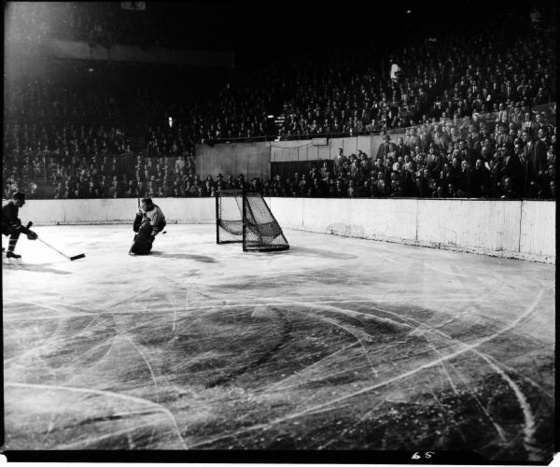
(244,217)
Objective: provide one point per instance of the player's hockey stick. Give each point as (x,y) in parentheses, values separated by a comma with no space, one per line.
(71,258)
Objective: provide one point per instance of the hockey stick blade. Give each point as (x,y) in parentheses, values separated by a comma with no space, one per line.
(60,252)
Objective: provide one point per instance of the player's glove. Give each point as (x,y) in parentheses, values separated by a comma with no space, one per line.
(32,235)
(15,227)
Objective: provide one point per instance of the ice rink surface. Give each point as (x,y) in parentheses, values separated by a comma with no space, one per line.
(338,343)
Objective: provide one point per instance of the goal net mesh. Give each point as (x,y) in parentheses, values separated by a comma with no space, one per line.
(244,217)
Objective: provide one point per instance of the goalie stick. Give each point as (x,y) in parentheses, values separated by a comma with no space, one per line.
(71,258)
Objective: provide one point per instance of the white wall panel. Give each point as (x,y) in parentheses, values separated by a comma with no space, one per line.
(471,225)
(115,211)
(524,230)
(383,219)
(188,210)
(328,216)
(538,228)
(288,212)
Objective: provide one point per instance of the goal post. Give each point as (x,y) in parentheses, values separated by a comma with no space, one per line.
(244,217)
(229,216)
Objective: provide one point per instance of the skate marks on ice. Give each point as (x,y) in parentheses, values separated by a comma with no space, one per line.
(99,419)
(309,379)
(436,385)
(287,357)
(21,265)
(446,374)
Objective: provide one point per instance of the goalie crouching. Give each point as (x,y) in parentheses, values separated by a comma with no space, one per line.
(149,221)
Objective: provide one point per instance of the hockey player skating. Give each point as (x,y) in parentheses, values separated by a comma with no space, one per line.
(149,221)
(11,225)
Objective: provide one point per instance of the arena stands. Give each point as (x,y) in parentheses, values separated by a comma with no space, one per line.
(476,110)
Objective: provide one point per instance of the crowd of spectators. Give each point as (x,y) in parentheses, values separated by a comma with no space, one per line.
(334,92)
(440,161)
(86,161)
(471,102)
(446,76)
(476,159)
(470,158)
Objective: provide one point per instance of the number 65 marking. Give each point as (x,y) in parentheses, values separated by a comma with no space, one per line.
(427,455)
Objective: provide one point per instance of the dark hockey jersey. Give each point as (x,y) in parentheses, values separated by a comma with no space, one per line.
(10,214)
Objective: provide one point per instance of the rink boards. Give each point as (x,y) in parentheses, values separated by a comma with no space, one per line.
(512,229)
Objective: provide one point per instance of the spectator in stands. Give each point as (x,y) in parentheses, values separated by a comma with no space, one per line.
(422,182)
(385,148)
(479,181)
(537,164)
(507,189)
(513,171)
(339,161)
(402,150)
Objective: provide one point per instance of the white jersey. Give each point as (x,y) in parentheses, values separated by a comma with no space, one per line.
(153,216)
(395,70)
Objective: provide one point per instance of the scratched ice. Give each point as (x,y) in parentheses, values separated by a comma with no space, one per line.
(337,343)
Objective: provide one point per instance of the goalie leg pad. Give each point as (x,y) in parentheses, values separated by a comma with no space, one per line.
(142,241)
(141,246)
